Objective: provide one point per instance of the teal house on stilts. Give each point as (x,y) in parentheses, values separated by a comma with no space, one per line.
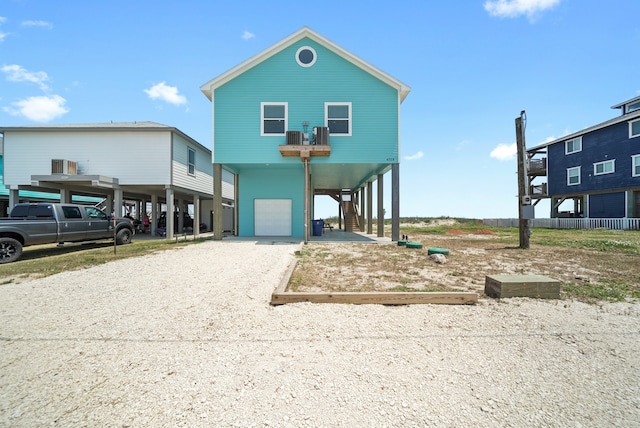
(303,118)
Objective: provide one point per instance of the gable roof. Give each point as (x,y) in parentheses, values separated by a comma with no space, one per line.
(225,77)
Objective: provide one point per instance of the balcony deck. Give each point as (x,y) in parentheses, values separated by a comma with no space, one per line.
(305,150)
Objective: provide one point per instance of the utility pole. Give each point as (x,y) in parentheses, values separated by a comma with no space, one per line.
(524,200)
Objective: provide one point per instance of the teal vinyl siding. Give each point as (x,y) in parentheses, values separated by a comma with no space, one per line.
(271,183)
(280,79)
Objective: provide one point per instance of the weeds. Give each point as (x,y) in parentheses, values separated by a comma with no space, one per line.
(593,265)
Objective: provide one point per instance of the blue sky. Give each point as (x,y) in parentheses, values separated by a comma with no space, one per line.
(473,65)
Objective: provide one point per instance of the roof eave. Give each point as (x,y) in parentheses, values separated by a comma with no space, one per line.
(614,121)
(622,104)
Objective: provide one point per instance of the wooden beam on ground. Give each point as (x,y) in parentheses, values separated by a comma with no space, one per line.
(377,298)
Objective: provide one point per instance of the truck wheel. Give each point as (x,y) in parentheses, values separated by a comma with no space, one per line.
(10,250)
(124,236)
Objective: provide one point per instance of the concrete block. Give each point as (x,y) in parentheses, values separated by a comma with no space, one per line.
(536,286)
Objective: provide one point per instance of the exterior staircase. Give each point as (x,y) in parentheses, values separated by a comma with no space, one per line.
(351,217)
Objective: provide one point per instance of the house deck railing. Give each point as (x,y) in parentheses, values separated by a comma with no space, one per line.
(570,223)
(537,166)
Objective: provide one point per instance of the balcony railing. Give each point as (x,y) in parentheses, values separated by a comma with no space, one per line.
(537,166)
(538,190)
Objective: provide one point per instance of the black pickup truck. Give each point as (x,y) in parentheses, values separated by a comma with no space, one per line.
(50,223)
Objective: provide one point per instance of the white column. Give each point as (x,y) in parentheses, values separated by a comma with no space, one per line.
(183,209)
(13,198)
(117,202)
(170,210)
(109,207)
(65,196)
(153,223)
(196,215)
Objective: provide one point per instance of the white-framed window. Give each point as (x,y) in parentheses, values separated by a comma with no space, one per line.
(634,128)
(338,118)
(633,106)
(573,146)
(635,166)
(573,176)
(606,167)
(191,161)
(273,118)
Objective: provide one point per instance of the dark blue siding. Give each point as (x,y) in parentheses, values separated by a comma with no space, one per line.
(607,205)
(601,145)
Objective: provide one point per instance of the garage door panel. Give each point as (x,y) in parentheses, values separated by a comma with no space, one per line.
(272,217)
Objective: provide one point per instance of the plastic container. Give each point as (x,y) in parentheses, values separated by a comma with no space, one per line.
(442,251)
(317,227)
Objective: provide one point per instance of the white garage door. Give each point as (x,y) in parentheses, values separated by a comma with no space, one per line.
(272,217)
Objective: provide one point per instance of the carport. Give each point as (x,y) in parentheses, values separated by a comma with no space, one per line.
(131,163)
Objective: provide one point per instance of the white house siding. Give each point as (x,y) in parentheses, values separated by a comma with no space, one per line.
(131,157)
(202,180)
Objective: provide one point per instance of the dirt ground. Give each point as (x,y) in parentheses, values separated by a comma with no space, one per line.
(472,256)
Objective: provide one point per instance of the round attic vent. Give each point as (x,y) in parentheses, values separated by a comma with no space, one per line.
(306,56)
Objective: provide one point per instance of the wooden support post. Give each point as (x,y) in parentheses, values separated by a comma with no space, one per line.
(340,210)
(369,207)
(306,200)
(362,208)
(217,201)
(236,205)
(523,222)
(380,206)
(395,201)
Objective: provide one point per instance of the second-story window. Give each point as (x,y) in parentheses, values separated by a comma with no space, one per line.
(635,166)
(634,128)
(191,161)
(633,107)
(573,176)
(573,146)
(274,118)
(338,118)
(606,167)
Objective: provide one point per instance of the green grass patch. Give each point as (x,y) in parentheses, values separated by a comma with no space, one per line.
(607,290)
(46,260)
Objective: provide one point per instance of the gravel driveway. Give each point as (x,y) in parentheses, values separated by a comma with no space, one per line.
(187,338)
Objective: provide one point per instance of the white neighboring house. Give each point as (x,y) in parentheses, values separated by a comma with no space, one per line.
(145,162)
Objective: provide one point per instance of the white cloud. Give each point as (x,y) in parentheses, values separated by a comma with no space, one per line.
(415,156)
(247,35)
(515,8)
(16,73)
(43,24)
(504,152)
(39,109)
(2,19)
(166,93)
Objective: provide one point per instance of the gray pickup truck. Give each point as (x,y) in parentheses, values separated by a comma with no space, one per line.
(49,223)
